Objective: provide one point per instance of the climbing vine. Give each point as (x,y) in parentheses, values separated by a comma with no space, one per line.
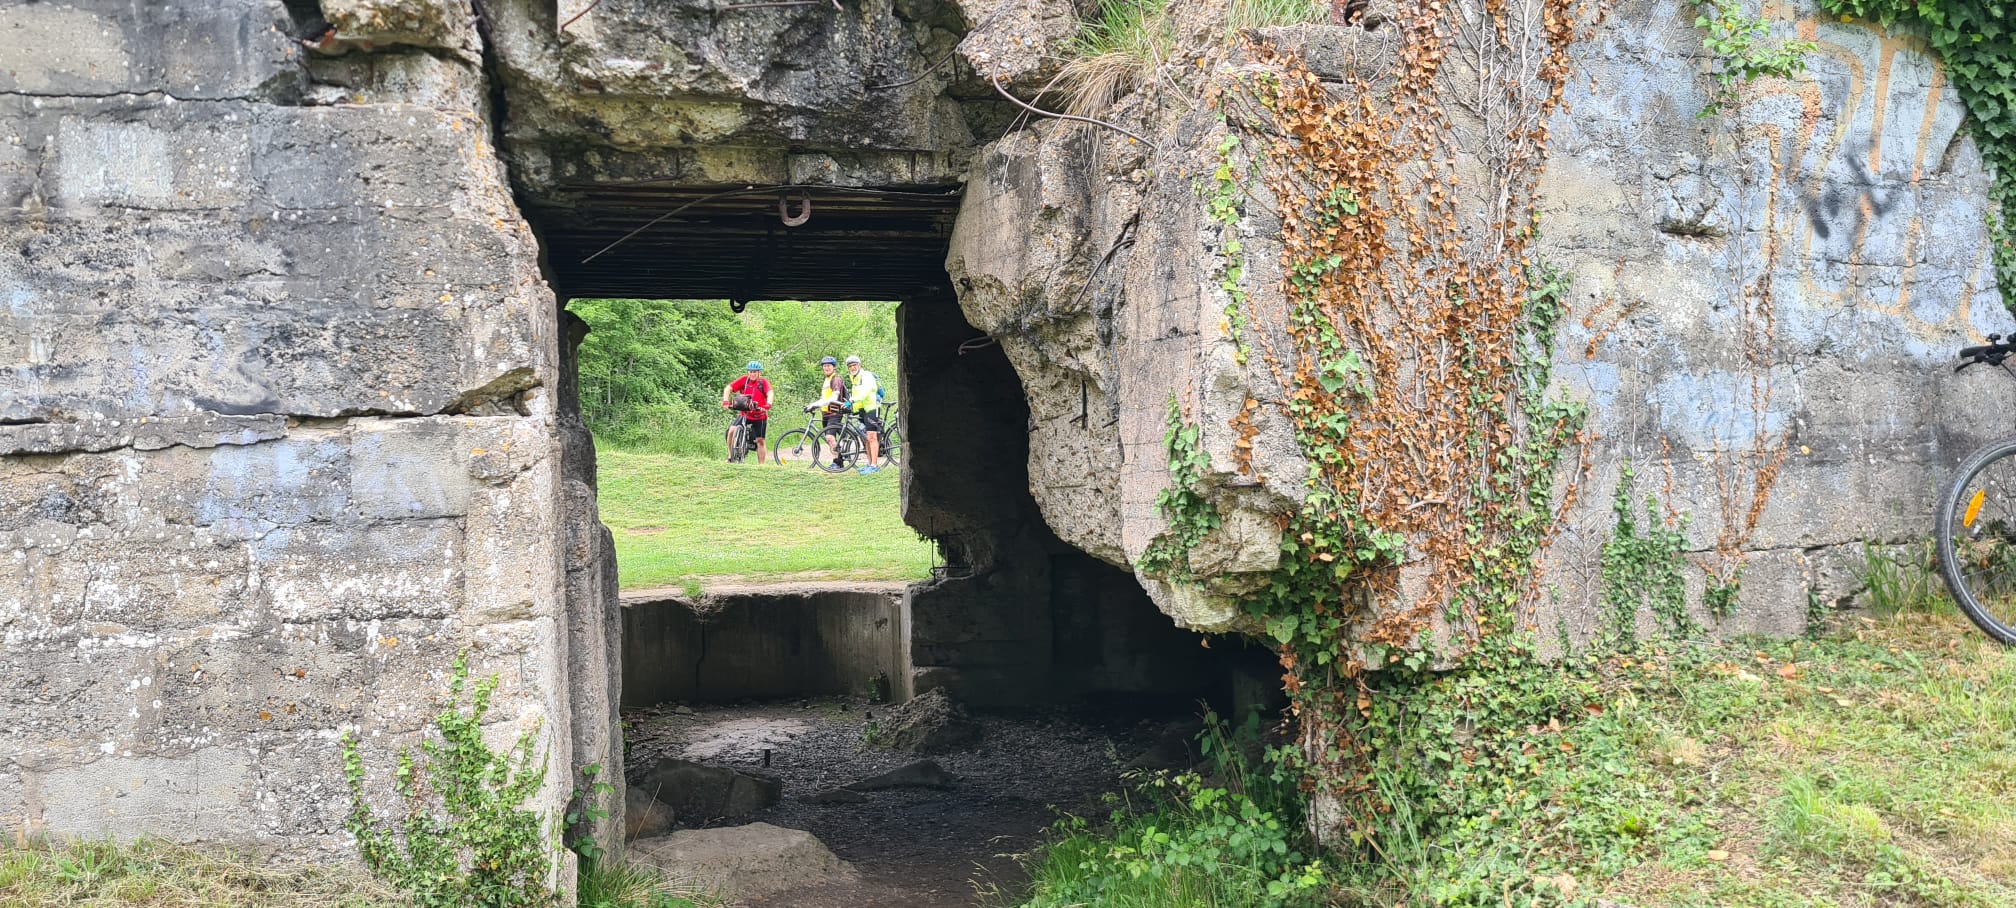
(1191,516)
(1418,376)
(1741,43)
(1222,203)
(1643,569)
(1976,39)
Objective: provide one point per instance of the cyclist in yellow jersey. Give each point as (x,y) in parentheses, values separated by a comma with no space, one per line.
(862,391)
(833,401)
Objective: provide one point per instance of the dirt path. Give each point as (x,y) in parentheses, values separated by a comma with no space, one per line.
(913,848)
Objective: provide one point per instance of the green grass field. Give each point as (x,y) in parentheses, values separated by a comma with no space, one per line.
(1870,767)
(682,521)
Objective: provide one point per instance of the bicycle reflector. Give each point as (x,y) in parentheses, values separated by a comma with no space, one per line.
(1974,508)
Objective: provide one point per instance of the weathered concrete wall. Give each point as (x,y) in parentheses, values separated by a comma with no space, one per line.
(278,430)
(699,94)
(766,643)
(1826,239)
(1836,220)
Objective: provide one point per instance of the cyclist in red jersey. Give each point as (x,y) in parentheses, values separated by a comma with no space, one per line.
(750,394)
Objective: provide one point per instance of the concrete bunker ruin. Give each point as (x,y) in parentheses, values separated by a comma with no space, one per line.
(1014,616)
(286,421)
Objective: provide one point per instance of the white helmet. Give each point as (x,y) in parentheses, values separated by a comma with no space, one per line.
(853,360)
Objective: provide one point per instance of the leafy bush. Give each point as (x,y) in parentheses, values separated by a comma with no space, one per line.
(1230,840)
(461,839)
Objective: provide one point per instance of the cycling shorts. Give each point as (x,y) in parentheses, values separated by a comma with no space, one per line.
(870,421)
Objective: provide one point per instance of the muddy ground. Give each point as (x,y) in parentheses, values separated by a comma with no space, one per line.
(915,848)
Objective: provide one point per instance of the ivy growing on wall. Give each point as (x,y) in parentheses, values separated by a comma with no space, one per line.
(1418,383)
(1642,569)
(1191,516)
(1976,39)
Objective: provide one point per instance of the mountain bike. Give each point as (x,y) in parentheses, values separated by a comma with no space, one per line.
(1977,521)
(740,440)
(891,441)
(810,445)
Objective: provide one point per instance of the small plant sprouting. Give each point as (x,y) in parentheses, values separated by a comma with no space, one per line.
(1740,42)
(461,837)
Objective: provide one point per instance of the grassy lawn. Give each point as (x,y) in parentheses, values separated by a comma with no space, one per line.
(1873,767)
(38,873)
(683,521)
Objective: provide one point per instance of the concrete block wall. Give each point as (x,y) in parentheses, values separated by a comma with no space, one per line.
(767,643)
(278,427)
(1796,274)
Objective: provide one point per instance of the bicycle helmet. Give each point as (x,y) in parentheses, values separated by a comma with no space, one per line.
(829,361)
(755,366)
(853,360)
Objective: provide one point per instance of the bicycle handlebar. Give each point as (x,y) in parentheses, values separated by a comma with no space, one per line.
(1992,353)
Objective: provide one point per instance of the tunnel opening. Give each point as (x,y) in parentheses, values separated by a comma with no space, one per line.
(1012,616)
(1061,657)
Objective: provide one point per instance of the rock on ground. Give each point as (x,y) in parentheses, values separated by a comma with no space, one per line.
(699,792)
(744,862)
(644,816)
(931,723)
(921,774)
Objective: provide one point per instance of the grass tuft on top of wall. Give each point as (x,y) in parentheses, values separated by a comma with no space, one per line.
(691,521)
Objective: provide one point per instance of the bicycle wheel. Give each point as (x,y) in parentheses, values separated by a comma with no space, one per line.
(892,444)
(796,447)
(1977,539)
(847,451)
(738,442)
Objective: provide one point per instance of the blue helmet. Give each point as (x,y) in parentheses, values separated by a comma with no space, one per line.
(755,366)
(829,361)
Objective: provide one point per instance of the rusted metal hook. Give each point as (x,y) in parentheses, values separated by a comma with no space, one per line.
(784,210)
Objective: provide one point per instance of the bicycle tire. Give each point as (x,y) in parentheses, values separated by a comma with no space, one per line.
(849,447)
(738,442)
(1968,591)
(892,444)
(892,436)
(796,446)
